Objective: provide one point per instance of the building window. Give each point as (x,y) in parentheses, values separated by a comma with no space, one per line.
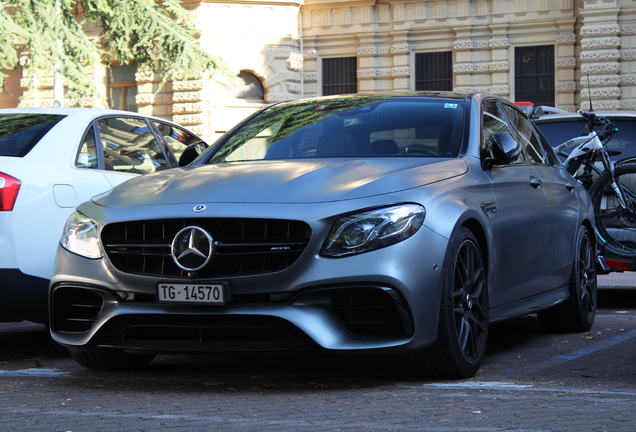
(339,76)
(122,88)
(434,71)
(534,74)
(248,86)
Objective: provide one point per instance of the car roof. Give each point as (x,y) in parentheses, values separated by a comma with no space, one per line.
(85,113)
(556,118)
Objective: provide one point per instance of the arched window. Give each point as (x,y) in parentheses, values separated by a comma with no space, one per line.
(251,87)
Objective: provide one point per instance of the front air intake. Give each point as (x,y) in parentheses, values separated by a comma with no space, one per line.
(75,309)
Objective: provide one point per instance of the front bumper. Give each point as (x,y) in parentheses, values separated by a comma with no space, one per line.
(385,301)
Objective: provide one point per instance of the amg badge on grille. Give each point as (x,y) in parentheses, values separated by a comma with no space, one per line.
(192,248)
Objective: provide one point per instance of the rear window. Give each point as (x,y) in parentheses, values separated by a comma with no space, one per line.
(19,133)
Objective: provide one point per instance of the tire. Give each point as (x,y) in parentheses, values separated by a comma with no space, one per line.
(577,313)
(112,360)
(463,322)
(615,227)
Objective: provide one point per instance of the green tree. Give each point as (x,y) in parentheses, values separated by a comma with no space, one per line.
(158,36)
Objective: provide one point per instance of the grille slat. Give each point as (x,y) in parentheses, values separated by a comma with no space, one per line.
(242,246)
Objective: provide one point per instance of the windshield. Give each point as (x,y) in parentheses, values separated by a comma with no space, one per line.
(369,126)
(19,133)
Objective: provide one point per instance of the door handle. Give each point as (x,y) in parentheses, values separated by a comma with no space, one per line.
(535,182)
(569,187)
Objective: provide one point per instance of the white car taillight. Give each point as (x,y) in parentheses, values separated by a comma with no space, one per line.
(9,188)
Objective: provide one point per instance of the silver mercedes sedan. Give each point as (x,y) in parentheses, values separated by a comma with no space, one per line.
(399,223)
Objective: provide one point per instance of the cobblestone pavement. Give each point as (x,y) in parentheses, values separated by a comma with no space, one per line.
(530,381)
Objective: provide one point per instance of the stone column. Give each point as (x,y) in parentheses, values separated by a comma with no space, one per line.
(565,65)
(628,66)
(472,60)
(499,67)
(600,56)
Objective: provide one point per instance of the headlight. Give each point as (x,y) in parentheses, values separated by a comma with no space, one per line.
(80,236)
(373,229)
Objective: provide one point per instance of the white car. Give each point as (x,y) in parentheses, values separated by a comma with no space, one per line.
(52,160)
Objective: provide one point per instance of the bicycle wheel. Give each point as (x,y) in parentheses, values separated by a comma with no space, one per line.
(615,225)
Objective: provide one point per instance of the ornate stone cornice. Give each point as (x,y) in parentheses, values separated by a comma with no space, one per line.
(471,45)
(602,105)
(475,68)
(471,68)
(600,81)
(566,62)
(311,54)
(601,68)
(182,108)
(384,50)
(592,43)
(501,90)
(310,77)
(628,29)
(600,30)
(566,86)
(384,73)
(187,85)
(566,38)
(600,55)
(499,43)
(628,54)
(145,77)
(601,93)
(188,119)
(499,66)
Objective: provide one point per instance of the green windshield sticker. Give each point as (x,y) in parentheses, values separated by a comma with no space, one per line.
(450,105)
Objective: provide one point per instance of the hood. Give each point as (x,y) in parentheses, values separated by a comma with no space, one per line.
(281,181)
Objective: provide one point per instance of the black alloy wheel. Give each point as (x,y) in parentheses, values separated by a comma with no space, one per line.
(469,305)
(577,313)
(463,322)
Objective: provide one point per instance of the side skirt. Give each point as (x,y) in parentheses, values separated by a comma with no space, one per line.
(529,305)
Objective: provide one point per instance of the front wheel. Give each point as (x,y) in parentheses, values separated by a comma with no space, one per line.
(615,224)
(463,322)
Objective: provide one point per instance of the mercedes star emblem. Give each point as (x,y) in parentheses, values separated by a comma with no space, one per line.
(192,248)
(199,208)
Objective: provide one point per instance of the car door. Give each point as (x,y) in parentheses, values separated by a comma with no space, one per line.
(562,202)
(518,221)
(128,147)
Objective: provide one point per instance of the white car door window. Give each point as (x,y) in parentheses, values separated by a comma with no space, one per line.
(129,146)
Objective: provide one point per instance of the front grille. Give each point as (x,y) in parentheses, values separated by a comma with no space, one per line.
(193,332)
(369,311)
(242,246)
(75,309)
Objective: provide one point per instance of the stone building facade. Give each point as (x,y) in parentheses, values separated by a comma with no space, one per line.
(286,44)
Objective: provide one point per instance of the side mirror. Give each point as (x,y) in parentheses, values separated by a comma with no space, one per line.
(536,113)
(191,152)
(505,149)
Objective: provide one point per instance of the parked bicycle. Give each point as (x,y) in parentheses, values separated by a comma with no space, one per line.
(611,184)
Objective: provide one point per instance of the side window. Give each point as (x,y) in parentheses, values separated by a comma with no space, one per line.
(129,146)
(531,148)
(177,139)
(87,155)
(493,121)
(550,156)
